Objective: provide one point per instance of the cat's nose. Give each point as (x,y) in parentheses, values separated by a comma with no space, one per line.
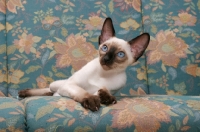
(108,59)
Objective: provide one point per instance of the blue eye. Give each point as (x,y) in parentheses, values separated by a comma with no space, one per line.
(104,48)
(121,54)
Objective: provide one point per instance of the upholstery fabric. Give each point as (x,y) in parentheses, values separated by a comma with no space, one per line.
(46,40)
(141,113)
(49,40)
(3,58)
(12,115)
(173,56)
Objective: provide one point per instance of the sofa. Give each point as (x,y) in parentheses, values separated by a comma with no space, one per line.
(46,40)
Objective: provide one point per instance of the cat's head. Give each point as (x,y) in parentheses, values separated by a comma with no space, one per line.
(117,54)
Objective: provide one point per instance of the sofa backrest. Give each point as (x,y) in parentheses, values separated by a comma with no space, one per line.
(49,40)
(3,58)
(173,56)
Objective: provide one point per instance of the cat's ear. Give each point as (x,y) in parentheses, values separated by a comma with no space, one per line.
(139,45)
(107,31)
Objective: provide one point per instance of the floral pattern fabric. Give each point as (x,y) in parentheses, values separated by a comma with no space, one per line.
(12,115)
(139,113)
(45,40)
(3,61)
(50,40)
(173,56)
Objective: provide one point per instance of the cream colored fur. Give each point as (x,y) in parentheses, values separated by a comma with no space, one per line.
(92,77)
(94,82)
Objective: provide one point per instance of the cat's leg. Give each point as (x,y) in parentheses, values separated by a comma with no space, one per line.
(35,92)
(77,93)
(43,91)
(54,86)
(105,97)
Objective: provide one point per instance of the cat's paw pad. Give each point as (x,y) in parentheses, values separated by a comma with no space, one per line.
(106,98)
(23,93)
(92,103)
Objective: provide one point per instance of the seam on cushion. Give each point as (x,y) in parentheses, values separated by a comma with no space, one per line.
(6,49)
(141,7)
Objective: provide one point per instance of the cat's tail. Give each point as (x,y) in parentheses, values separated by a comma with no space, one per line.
(35,92)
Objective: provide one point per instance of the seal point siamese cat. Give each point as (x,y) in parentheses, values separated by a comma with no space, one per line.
(95,83)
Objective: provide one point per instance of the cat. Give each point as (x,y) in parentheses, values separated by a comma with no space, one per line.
(97,81)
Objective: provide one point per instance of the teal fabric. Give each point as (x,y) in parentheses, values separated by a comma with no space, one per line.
(12,115)
(46,40)
(3,59)
(49,40)
(141,113)
(173,56)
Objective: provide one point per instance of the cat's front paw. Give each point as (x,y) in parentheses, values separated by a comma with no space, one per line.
(106,98)
(92,103)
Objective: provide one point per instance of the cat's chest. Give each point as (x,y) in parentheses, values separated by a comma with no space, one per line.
(112,83)
(92,78)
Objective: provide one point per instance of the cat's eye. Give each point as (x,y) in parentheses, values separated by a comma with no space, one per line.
(121,54)
(104,48)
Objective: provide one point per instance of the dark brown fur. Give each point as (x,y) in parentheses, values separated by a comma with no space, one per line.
(105,97)
(109,58)
(92,102)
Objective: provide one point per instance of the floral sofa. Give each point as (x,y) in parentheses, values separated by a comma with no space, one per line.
(45,40)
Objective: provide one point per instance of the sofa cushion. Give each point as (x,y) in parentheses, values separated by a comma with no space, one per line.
(49,40)
(173,55)
(12,116)
(3,60)
(141,113)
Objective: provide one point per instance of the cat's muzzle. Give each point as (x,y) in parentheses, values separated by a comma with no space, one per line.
(108,59)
